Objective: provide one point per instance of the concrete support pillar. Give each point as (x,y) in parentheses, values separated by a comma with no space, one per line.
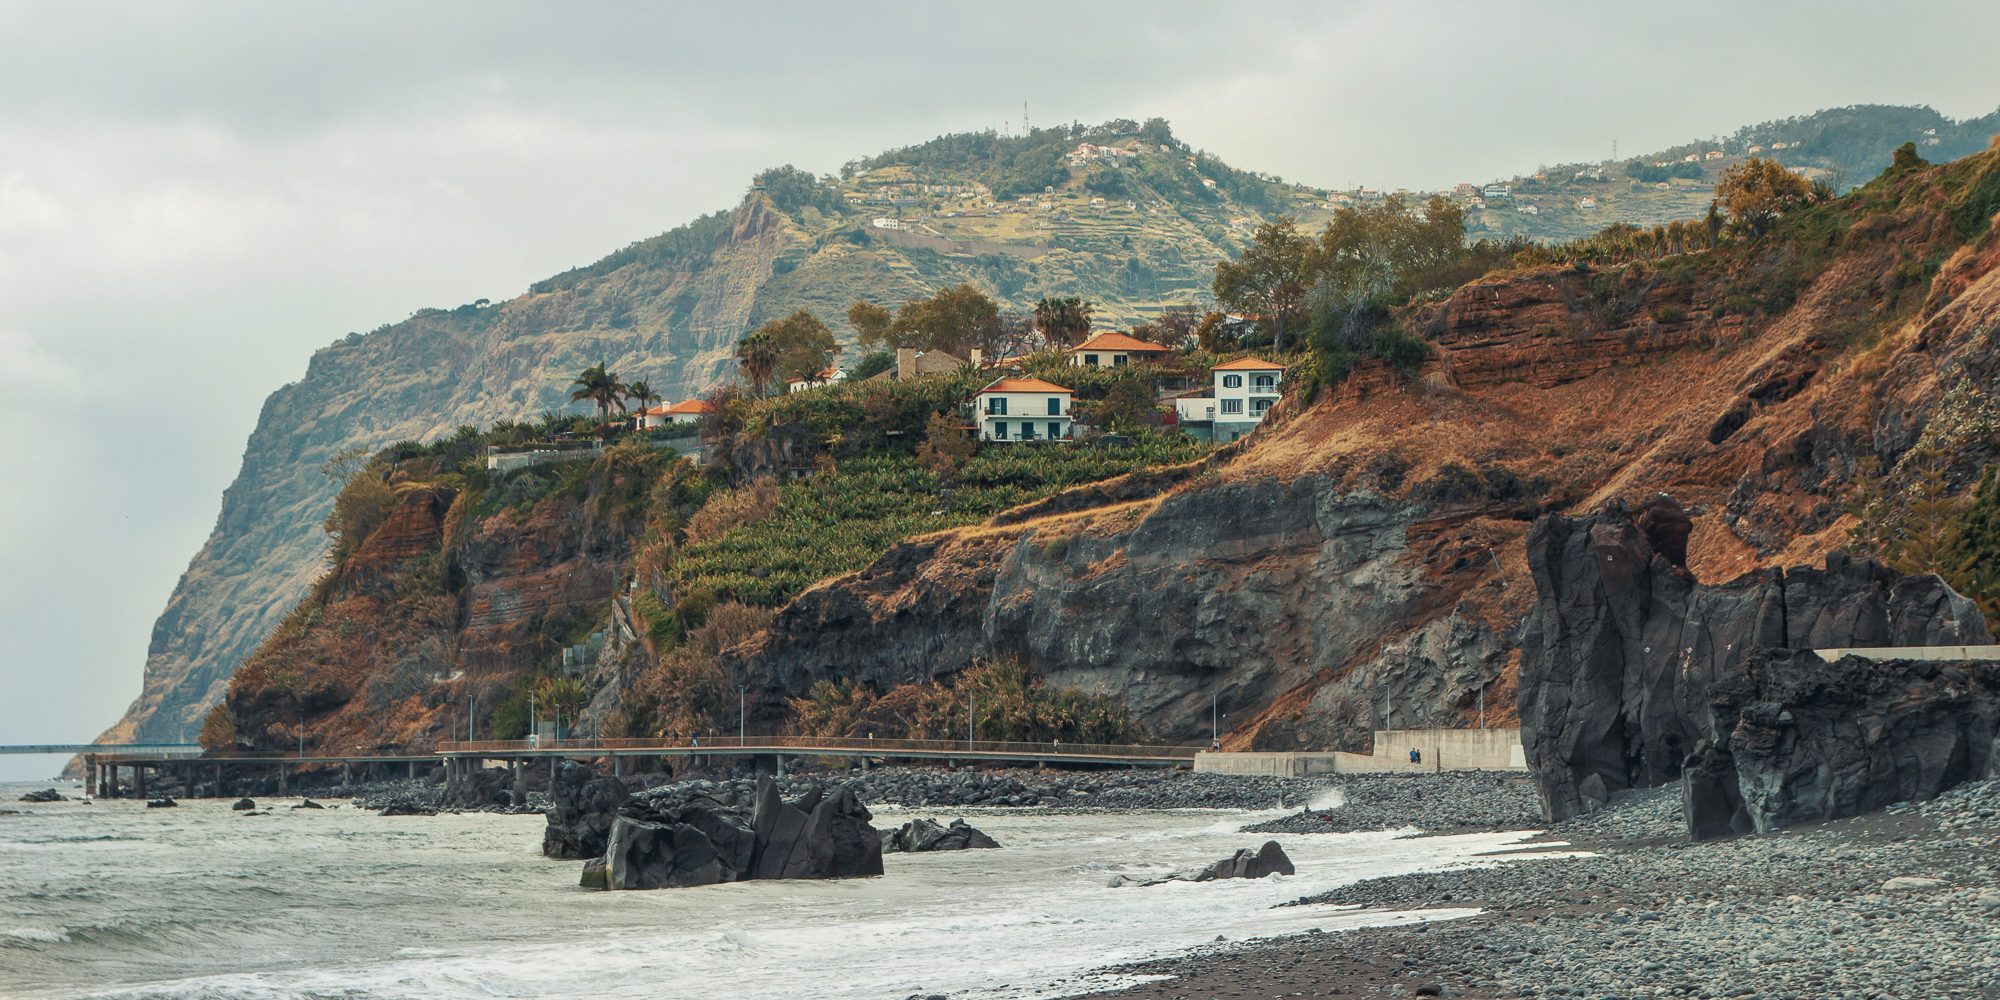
(413,770)
(617,766)
(346,774)
(281,778)
(520,782)
(139,779)
(219,793)
(780,758)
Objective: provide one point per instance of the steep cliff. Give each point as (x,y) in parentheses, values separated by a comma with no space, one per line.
(668,310)
(1360,560)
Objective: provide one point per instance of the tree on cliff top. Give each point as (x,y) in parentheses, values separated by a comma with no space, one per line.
(1756,191)
(1272,277)
(600,386)
(804,344)
(871,325)
(954,320)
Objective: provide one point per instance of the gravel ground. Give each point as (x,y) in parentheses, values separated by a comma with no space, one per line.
(1900,905)
(1432,803)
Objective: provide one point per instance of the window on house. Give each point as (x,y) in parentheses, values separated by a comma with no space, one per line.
(996,405)
(1027,430)
(1000,430)
(1055,430)
(1090,359)
(1264,383)
(1055,406)
(1232,406)
(1258,406)
(1232,381)
(1118,361)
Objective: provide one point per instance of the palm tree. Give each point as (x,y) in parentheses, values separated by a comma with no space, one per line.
(758,356)
(564,696)
(644,394)
(601,387)
(1064,320)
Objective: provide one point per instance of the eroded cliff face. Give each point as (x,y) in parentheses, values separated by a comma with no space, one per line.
(1223,596)
(1630,669)
(1361,559)
(451,600)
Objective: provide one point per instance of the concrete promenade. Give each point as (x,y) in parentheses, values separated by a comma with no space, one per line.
(1439,750)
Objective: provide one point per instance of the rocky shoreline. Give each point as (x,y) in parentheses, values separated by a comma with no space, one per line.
(1898,905)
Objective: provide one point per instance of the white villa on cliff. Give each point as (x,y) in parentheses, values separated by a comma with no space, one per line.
(1023,409)
(1243,391)
(686,411)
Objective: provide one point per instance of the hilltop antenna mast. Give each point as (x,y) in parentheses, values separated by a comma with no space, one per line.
(1025,130)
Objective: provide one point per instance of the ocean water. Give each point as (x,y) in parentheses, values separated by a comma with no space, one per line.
(115,900)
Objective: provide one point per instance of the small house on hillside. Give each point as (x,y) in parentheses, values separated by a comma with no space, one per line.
(1245,390)
(1023,409)
(1115,350)
(687,411)
(826,376)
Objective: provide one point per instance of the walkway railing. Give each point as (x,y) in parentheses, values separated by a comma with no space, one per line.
(808,744)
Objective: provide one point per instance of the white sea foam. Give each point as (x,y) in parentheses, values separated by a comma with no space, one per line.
(461,907)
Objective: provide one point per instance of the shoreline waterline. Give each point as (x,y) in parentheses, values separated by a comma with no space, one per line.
(112,899)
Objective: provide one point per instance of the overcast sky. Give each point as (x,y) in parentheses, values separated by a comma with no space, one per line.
(195,196)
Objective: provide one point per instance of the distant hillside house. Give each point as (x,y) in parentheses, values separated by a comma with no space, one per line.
(1713,154)
(825,377)
(1497,191)
(688,411)
(1115,350)
(1023,409)
(1245,390)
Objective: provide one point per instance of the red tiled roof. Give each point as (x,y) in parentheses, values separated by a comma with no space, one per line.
(1248,364)
(1120,342)
(688,406)
(1023,385)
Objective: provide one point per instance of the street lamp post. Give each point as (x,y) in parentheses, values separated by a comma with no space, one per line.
(969,715)
(1214,719)
(742,697)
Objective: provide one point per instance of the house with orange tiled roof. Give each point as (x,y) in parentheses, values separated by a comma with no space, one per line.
(1023,409)
(1115,350)
(686,411)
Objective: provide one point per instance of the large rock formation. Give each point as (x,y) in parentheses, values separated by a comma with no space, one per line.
(691,836)
(1625,656)
(581,810)
(1808,739)
(1260,582)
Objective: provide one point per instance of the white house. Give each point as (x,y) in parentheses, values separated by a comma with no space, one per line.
(686,411)
(1023,409)
(825,377)
(1115,350)
(1245,390)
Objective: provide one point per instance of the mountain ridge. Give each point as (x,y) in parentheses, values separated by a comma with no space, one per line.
(669,309)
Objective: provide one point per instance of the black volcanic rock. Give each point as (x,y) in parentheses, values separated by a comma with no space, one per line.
(45,795)
(920,835)
(1625,655)
(1269,859)
(704,836)
(244,805)
(1812,740)
(164,802)
(581,810)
